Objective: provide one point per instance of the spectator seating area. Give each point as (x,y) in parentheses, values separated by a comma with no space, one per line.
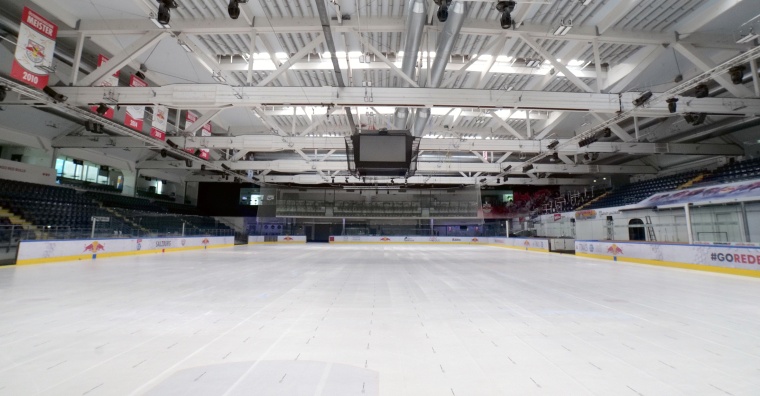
(56,208)
(87,185)
(734,172)
(635,192)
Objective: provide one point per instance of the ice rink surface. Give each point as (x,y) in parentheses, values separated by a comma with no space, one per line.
(375,320)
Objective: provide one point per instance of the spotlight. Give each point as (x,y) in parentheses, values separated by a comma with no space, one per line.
(346,180)
(483,180)
(197,152)
(163,153)
(528,167)
(333,180)
(672,106)
(506,8)
(102,109)
(164,16)
(498,181)
(737,74)
(171,144)
(203,167)
(643,98)
(508,168)
(189,163)
(140,75)
(2,93)
(393,181)
(552,145)
(701,91)
(55,95)
(555,156)
(364,179)
(587,140)
(443,13)
(586,157)
(606,132)
(225,167)
(233,9)
(695,119)
(94,127)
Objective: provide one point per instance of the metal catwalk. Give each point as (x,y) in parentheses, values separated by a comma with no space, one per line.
(375,320)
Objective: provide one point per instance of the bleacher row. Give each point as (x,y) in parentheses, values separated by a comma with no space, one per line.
(376,209)
(638,191)
(51,207)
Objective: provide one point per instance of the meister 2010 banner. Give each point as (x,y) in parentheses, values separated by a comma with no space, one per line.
(34,49)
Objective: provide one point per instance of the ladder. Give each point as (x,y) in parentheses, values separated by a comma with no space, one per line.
(650,229)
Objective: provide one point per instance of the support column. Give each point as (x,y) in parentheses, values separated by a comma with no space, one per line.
(77,59)
(689,232)
(745,224)
(130,183)
(755,78)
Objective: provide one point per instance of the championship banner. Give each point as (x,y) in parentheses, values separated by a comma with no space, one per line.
(160,121)
(205,131)
(34,49)
(135,114)
(110,81)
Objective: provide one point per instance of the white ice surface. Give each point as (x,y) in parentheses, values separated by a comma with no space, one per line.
(375,320)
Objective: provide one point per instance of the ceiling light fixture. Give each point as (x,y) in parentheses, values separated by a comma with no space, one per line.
(737,74)
(564,27)
(527,168)
(217,76)
(184,46)
(552,145)
(643,98)
(164,14)
(701,91)
(672,104)
(102,109)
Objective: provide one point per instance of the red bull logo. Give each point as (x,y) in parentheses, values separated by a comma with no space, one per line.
(475,239)
(205,241)
(526,243)
(95,247)
(287,238)
(614,250)
(385,239)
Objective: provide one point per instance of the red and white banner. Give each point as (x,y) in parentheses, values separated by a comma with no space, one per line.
(110,81)
(160,121)
(34,49)
(205,131)
(135,115)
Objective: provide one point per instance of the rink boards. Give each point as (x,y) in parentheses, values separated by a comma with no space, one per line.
(38,252)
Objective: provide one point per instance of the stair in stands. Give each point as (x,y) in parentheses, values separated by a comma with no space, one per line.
(123,218)
(18,220)
(692,182)
(592,201)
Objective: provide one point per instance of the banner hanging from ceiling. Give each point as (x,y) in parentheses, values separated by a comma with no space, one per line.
(110,81)
(160,121)
(135,115)
(205,131)
(34,49)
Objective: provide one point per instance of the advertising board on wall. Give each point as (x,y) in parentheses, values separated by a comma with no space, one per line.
(19,171)
(746,258)
(35,252)
(160,122)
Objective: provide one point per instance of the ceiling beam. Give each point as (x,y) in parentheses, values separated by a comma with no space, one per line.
(303,166)
(389,24)
(704,64)
(273,143)
(208,96)
(123,58)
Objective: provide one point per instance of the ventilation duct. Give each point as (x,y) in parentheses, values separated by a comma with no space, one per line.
(442,53)
(415,22)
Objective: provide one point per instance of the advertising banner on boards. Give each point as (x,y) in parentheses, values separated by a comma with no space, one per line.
(135,116)
(34,49)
